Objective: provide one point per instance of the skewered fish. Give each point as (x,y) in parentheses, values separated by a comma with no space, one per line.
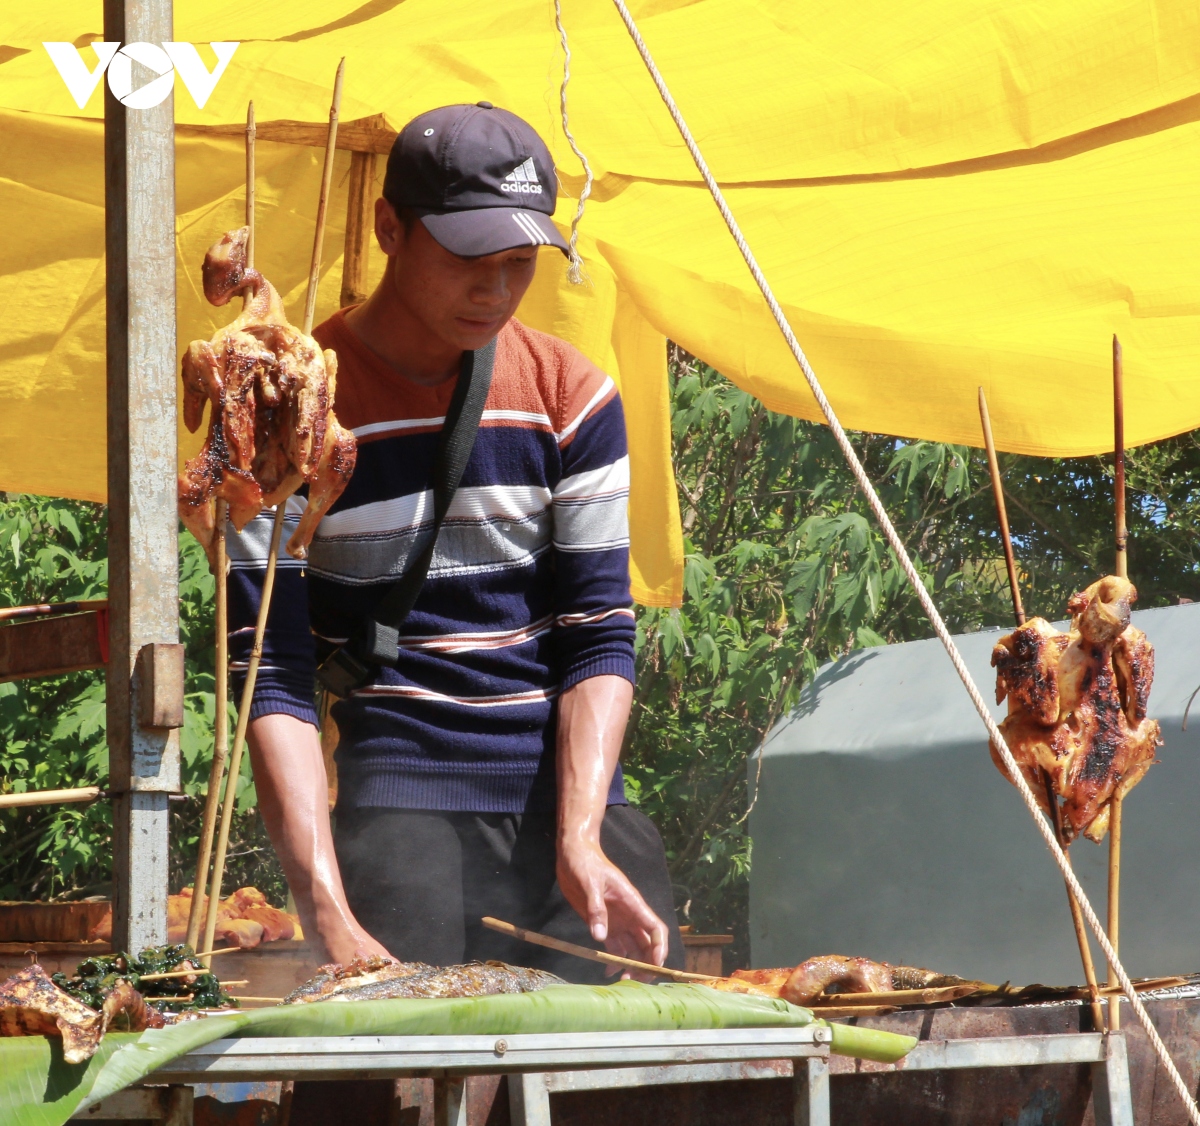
(1077,705)
(377,979)
(32,1005)
(271,425)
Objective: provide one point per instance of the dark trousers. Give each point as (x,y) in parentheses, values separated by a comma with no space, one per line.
(420,881)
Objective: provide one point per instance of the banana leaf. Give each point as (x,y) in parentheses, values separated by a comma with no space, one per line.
(37,1088)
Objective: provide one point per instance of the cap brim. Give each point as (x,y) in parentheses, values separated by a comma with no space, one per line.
(490,230)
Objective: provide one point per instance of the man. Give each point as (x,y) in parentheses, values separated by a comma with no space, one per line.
(480,775)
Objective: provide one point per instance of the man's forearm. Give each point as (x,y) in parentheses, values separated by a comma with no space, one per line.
(591,724)
(289,774)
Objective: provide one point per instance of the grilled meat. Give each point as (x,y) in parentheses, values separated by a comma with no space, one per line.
(376,979)
(271,428)
(362,971)
(32,1005)
(1077,705)
(832,973)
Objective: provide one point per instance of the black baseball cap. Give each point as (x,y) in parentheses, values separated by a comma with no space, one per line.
(478,177)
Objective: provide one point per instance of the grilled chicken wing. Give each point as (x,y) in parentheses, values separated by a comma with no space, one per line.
(270,390)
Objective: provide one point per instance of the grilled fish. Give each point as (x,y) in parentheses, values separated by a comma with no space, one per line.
(376,979)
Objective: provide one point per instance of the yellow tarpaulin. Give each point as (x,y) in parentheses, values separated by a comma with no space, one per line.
(944,194)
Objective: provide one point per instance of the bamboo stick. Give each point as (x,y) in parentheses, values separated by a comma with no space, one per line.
(214,953)
(1085,950)
(1001,511)
(243,719)
(272,1000)
(1121,532)
(314,269)
(589,954)
(51,797)
(931,996)
(221,670)
(43,609)
(1122,569)
(251,135)
(220,733)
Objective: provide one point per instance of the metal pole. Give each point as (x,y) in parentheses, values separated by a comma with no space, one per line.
(139,189)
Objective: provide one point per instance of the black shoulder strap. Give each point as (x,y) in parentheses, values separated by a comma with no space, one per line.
(380,639)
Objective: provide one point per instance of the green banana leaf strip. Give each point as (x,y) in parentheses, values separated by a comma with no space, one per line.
(38,1089)
(870,1043)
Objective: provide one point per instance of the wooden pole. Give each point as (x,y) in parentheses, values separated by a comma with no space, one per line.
(1085,950)
(1122,570)
(260,627)
(359,227)
(1001,510)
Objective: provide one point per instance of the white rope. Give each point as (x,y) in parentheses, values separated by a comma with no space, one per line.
(576,274)
(910,571)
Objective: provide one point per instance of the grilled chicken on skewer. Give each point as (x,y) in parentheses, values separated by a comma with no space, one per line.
(270,389)
(1077,705)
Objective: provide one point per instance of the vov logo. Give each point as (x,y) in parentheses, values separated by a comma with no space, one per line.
(164,61)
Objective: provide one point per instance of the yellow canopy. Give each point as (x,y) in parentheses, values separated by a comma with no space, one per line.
(944,194)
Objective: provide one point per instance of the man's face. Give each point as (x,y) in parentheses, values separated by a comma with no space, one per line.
(463,302)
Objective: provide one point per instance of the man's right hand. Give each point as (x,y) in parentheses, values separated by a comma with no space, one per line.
(293,794)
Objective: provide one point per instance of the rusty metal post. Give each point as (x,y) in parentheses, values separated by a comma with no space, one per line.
(139,192)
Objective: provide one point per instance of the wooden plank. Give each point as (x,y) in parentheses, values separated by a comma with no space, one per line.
(51,646)
(360,226)
(139,223)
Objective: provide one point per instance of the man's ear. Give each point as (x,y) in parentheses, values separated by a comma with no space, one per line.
(389,231)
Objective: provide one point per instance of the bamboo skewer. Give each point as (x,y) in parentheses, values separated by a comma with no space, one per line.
(220,734)
(314,269)
(1122,570)
(589,954)
(243,719)
(221,670)
(1085,950)
(52,797)
(1001,511)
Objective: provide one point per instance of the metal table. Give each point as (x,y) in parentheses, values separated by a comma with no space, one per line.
(540,1065)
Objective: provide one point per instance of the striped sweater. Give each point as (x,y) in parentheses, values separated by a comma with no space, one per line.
(527,593)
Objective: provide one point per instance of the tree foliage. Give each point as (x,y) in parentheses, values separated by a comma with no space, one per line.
(52,728)
(785,570)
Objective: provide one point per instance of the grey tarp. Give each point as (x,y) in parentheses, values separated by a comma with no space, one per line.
(883,829)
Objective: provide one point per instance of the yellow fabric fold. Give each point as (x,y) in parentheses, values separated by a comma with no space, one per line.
(945,194)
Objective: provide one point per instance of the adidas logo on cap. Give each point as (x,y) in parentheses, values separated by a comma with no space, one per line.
(522,179)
